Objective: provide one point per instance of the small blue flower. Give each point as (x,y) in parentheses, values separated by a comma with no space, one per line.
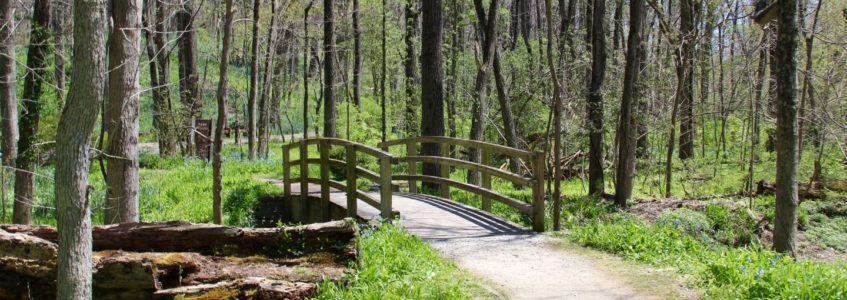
(743,268)
(760,273)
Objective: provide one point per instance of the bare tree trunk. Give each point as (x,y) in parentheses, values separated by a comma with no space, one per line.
(217,185)
(191,96)
(450,90)
(685,76)
(755,111)
(37,72)
(72,149)
(432,83)
(264,103)
(254,85)
(488,38)
(58,23)
(785,220)
(159,55)
(330,113)
(306,69)
(410,68)
(8,83)
(383,104)
(122,105)
(557,121)
(628,127)
(597,35)
(357,56)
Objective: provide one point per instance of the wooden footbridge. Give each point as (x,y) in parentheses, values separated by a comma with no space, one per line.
(403,169)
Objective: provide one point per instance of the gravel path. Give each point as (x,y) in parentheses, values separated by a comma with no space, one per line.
(520,263)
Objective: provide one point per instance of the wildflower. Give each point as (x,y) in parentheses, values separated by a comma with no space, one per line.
(759,273)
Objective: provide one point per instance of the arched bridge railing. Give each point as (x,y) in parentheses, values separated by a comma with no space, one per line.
(534,161)
(383,177)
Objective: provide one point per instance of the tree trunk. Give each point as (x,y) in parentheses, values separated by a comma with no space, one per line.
(306,70)
(410,69)
(684,73)
(73,140)
(432,83)
(190,94)
(159,55)
(220,125)
(627,126)
(597,35)
(488,41)
(265,102)
(383,104)
(122,115)
(357,56)
(39,49)
(557,121)
(59,23)
(254,84)
(8,83)
(330,113)
(785,220)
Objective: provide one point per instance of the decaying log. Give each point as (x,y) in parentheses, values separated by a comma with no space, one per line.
(333,237)
(803,192)
(26,261)
(247,288)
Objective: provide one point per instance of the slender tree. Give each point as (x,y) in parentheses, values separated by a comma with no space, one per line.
(487,37)
(410,67)
(73,139)
(357,55)
(220,124)
(330,113)
(39,49)
(263,125)
(785,219)
(432,82)
(597,36)
(306,69)
(685,77)
(158,53)
(627,132)
(254,84)
(189,83)
(8,83)
(122,113)
(557,120)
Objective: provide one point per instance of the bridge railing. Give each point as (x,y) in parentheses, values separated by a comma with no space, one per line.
(351,169)
(534,160)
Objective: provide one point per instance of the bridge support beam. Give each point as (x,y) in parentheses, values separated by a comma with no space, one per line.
(324,150)
(486,178)
(385,189)
(538,196)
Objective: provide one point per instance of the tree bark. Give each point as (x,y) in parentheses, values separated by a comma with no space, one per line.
(557,121)
(785,220)
(122,105)
(59,23)
(330,113)
(37,72)
(159,55)
(217,162)
(8,83)
(597,35)
(488,43)
(432,83)
(263,126)
(254,85)
(190,94)
(410,69)
(685,77)
(72,149)
(357,56)
(628,127)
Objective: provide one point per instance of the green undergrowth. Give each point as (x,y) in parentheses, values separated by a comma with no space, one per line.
(396,265)
(685,240)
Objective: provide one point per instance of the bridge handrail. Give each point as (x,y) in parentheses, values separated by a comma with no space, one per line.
(517,153)
(537,166)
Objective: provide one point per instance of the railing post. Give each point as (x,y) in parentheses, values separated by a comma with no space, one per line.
(324,150)
(445,171)
(286,170)
(299,208)
(352,210)
(385,191)
(412,150)
(486,179)
(539,167)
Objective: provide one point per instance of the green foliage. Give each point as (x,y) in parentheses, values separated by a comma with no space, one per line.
(688,222)
(397,265)
(732,228)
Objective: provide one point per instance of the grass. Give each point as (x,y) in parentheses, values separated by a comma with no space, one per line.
(397,265)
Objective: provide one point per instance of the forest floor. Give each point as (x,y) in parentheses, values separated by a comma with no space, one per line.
(153,147)
(515,263)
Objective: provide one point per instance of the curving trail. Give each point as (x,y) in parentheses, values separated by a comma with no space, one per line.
(516,263)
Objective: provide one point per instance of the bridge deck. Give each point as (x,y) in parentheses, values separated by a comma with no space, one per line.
(518,262)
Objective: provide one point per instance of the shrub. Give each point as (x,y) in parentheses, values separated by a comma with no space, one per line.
(689,222)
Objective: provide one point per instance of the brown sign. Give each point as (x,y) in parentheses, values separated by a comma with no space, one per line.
(203,138)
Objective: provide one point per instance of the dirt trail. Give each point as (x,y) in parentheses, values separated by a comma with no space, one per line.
(514,262)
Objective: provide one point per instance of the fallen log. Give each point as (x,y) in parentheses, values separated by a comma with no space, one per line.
(178,236)
(803,191)
(247,288)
